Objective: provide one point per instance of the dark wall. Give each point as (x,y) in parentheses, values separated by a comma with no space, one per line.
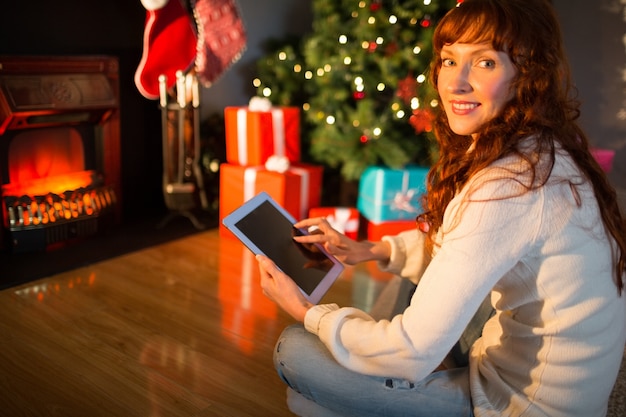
(595,38)
(112,27)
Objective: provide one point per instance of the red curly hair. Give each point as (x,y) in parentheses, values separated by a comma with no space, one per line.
(543,106)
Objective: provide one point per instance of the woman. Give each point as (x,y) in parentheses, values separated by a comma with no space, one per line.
(518,211)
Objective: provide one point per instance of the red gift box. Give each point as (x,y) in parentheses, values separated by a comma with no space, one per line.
(343,219)
(253,136)
(375,231)
(296,190)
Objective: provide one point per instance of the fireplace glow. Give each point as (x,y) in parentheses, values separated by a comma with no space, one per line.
(59,149)
(56,184)
(43,154)
(48,180)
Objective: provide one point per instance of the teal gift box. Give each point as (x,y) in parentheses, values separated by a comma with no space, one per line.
(391,194)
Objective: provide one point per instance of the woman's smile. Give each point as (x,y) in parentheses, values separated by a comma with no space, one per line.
(463,107)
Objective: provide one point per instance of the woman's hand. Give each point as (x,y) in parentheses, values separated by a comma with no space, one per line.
(281,289)
(342,247)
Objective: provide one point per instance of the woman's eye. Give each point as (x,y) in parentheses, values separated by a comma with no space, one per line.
(447,62)
(487,63)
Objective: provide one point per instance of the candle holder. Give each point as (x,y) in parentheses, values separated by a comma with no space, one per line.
(183,185)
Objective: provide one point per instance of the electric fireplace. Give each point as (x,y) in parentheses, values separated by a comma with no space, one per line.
(59,149)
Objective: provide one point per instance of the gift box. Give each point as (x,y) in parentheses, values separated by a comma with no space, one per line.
(296,190)
(252,136)
(343,219)
(374,231)
(604,157)
(391,194)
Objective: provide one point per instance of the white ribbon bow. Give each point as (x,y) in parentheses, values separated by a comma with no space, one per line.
(341,221)
(402,199)
(277,163)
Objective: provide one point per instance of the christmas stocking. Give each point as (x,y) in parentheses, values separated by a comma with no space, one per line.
(221,37)
(169,45)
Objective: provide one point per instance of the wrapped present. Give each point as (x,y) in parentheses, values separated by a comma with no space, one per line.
(391,194)
(256,132)
(376,230)
(343,219)
(297,189)
(604,157)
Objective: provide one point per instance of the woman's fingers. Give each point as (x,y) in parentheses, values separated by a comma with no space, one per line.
(314,221)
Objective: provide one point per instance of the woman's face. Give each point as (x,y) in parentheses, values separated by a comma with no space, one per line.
(474,85)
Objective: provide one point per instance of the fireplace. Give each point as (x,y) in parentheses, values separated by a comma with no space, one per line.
(59,149)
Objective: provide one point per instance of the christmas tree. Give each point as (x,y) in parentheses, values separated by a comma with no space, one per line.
(360,78)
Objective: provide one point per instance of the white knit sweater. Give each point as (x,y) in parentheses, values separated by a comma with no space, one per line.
(555,344)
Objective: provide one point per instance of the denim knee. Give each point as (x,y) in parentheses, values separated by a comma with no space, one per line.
(285,355)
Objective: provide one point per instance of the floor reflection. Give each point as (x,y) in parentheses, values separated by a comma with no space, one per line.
(246,311)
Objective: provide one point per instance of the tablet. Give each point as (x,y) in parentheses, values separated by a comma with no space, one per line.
(267,228)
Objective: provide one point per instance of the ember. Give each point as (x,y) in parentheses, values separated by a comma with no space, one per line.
(32,211)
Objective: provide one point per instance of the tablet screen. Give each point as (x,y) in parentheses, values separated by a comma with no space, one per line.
(273,233)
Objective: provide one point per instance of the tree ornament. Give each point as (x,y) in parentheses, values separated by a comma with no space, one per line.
(391,49)
(407,88)
(358,95)
(375,6)
(422,120)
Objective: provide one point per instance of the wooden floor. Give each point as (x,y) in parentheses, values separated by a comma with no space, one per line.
(179,329)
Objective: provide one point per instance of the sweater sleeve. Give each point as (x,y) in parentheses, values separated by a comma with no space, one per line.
(476,251)
(408,255)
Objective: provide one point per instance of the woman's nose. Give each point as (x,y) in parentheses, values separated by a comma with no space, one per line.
(459,81)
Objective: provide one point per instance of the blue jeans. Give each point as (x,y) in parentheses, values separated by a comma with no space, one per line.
(308,368)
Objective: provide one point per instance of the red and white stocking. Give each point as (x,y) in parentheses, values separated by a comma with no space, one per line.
(169,45)
(221,37)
